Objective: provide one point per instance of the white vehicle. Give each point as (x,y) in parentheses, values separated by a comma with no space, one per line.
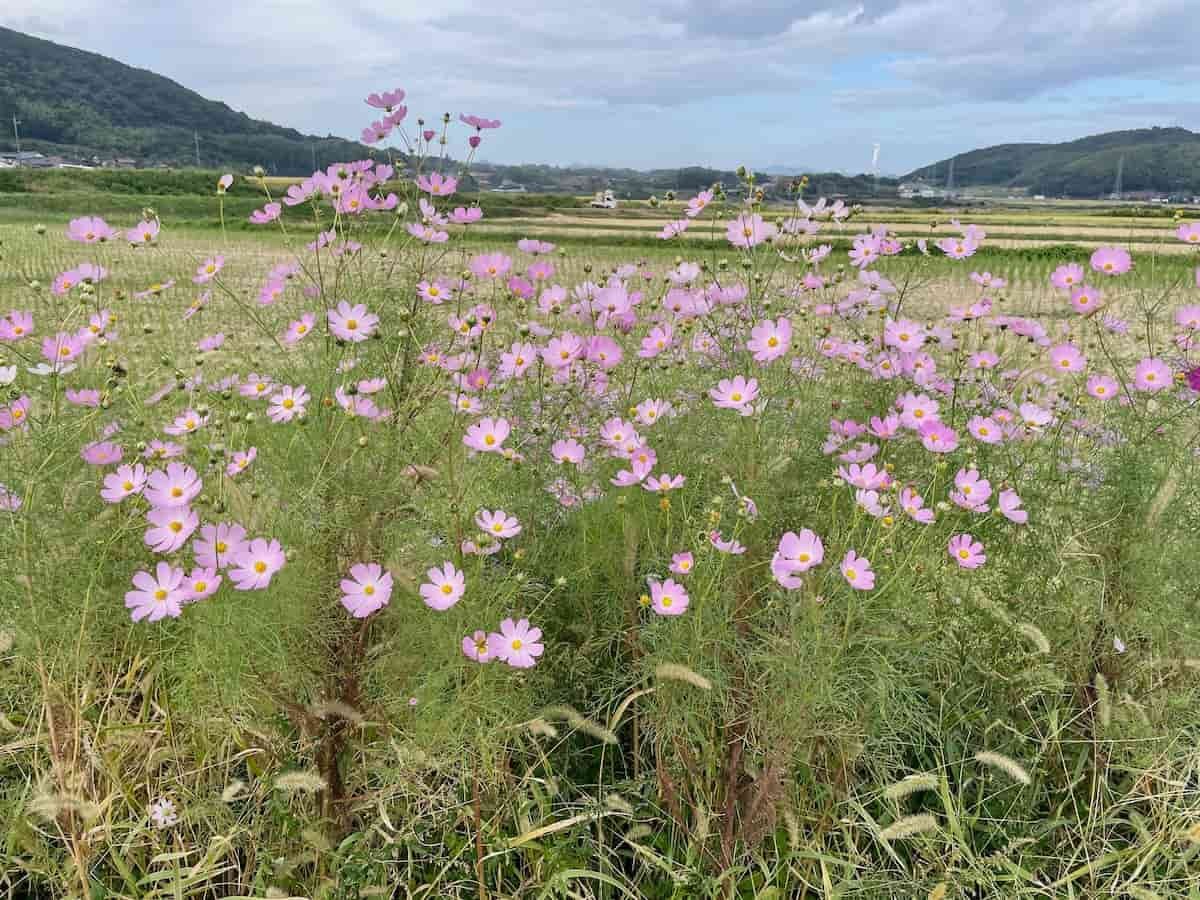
(604,200)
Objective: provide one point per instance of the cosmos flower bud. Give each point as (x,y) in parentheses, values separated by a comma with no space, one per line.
(39,228)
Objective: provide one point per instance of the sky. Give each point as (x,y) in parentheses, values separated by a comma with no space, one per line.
(773,84)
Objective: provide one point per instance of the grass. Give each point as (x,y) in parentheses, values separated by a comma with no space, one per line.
(1024,729)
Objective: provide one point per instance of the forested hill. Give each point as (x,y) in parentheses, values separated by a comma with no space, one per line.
(1164,160)
(81,104)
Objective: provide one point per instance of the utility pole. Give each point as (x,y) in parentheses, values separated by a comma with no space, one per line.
(313,148)
(196,137)
(17,134)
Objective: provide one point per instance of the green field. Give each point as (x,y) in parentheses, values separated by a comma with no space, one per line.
(893,712)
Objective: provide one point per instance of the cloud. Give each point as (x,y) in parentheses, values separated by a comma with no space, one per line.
(585,71)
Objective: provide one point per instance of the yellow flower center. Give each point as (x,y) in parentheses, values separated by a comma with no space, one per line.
(288,403)
(851,575)
(516,644)
(260,567)
(369,590)
(447,588)
(160,595)
(490,440)
(735,397)
(964,553)
(803,557)
(666,601)
(176,492)
(498,527)
(222,547)
(176,526)
(352,324)
(200,587)
(127,485)
(772,341)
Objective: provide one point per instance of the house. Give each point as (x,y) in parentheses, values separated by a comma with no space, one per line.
(28,158)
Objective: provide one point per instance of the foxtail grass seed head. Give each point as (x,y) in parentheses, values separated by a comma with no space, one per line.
(1009,767)
(909,827)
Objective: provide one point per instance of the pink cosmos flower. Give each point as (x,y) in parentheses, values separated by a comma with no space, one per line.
(170,528)
(15,414)
(1189,232)
(498,523)
(367,589)
(857,571)
(208,269)
(567,451)
(475,646)
(101,453)
(957,248)
(796,554)
(299,328)
(1085,299)
(517,643)
(697,204)
(659,339)
(256,565)
(487,435)
(437,185)
(1151,375)
(971,490)
(673,229)
(62,349)
(748,231)
(162,450)
(731,546)
(1067,358)
(1067,276)
(124,481)
(287,403)
(241,461)
(737,393)
(1187,317)
(534,247)
(155,596)
(490,265)
(868,477)
(352,323)
(985,430)
(444,588)
(938,438)
(145,232)
(267,214)
(16,325)
(668,598)
(385,100)
(663,483)
(966,551)
(914,507)
(466,215)
(83,397)
(90,230)
(200,584)
(185,423)
(770,340)
(1009,505)
(177,486)
(478,122)
(218,546)
(682,563)
(1102,387)
(1111,261)
(210,343)
(257,385)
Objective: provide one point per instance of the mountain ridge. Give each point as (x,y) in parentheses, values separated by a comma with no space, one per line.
(1154,159)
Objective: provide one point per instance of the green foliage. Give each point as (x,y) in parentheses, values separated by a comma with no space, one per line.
(84,104)
(1165,160)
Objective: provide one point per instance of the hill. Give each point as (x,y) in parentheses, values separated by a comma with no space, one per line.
(1161,160)
(79,105)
